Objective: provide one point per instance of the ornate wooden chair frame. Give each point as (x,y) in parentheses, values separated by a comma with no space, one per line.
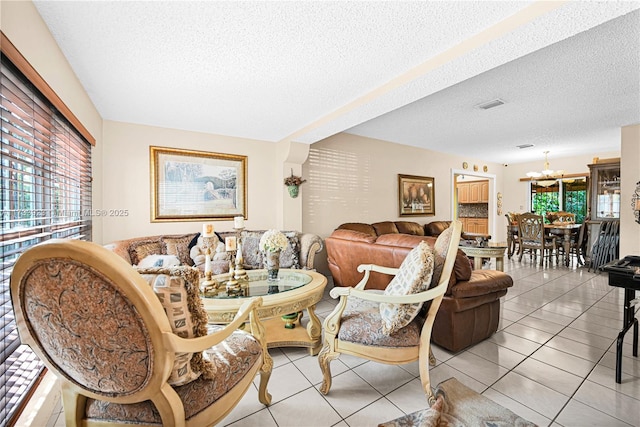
(532,236)
(421,351)
(127,354)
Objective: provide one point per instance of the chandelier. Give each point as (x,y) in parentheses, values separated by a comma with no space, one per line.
(546,176)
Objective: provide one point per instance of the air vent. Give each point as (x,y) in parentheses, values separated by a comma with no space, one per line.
(524,146)
(491,104)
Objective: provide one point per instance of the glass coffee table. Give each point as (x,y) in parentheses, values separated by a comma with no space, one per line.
(283,302)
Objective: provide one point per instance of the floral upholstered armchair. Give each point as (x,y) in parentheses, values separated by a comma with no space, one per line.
(392,326)
(133,347)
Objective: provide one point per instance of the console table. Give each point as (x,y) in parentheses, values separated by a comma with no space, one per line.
(480,252)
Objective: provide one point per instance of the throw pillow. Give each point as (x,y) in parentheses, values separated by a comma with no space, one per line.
(159,261)
(141,249)
(442,242)
(414,276)
(178,246)
(177,288)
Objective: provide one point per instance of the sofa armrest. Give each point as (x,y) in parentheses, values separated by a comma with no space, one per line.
(310,245)
(482,282)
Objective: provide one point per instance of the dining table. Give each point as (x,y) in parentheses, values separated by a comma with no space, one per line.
(565,231)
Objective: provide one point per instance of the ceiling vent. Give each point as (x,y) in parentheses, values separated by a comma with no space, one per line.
(524,146)
(491,104)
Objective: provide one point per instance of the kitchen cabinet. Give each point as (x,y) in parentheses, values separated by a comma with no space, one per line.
(475,225)
(463,193)
(473,192)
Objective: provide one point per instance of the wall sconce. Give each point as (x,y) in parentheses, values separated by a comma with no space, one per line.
(635,202)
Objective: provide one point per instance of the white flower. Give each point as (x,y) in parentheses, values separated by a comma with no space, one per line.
(273,241)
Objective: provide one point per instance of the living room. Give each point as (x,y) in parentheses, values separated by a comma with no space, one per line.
(349,177)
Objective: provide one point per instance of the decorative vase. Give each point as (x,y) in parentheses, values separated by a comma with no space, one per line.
(293,191)
(272,261)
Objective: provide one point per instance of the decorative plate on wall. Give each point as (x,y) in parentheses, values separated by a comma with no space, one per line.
(475,168)
(465,165)
(485,168)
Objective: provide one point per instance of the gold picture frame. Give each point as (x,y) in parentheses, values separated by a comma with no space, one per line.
(190,185)
(416,195)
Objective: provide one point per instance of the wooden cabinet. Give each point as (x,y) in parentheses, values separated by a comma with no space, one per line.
(484,192)
(463,193)
(605,190)
(473,192)
(475,225)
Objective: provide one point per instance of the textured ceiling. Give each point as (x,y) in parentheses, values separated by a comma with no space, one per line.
(407,72)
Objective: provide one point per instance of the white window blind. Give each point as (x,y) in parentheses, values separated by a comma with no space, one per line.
(45,193)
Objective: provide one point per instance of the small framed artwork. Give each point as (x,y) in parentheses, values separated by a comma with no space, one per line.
(188,185)
(416,195)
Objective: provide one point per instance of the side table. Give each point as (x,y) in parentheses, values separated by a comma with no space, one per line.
(480,252)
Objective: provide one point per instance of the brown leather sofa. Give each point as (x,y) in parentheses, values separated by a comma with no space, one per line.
(470,310)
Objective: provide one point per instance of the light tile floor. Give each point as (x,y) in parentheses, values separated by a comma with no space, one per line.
(552,361)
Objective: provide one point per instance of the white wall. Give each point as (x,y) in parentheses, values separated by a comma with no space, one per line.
(127,183)
(630,174)
(355,179)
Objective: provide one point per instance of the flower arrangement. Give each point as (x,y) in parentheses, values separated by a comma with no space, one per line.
(273,241)
(294,180)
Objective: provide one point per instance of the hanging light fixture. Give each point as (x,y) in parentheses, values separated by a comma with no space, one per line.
(547,174)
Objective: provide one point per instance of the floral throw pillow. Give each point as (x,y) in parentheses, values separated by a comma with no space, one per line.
(414,276)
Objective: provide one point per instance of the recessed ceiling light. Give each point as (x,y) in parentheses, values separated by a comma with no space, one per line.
(524,146)
(490,104)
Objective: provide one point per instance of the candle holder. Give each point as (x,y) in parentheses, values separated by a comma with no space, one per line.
(240,272)
(233,286)
(209,282)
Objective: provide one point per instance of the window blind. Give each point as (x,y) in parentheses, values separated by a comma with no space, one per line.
(45,193)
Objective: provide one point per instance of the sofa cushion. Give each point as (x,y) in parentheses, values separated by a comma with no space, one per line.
(435,228)
(403,240)
(177,289)
(178,246)
(414,275)
(385,227)
(356,236)
(140,249)
(409,227)
(358,226)
(461,271)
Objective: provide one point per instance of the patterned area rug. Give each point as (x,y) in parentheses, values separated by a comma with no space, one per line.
(459,406)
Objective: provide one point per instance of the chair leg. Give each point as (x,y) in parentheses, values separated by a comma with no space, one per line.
(73,404)
(325,357)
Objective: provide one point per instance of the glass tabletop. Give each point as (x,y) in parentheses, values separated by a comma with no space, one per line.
(257,285)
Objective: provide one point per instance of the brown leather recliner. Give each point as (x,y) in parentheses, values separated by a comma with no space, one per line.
(470,310)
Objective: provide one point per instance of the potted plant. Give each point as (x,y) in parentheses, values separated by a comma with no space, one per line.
(293,182)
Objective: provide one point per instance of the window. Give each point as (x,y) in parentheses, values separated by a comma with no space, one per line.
(45,193)
(554,195)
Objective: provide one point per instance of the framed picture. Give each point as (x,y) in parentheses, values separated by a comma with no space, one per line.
(189,185)
(416,195)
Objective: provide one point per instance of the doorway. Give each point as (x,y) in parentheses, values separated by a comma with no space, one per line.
(473,200)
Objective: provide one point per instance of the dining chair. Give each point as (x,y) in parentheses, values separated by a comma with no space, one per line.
(578,243)
(392,326)
(534,238)
(513,241)
(561,217)
(130,349)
